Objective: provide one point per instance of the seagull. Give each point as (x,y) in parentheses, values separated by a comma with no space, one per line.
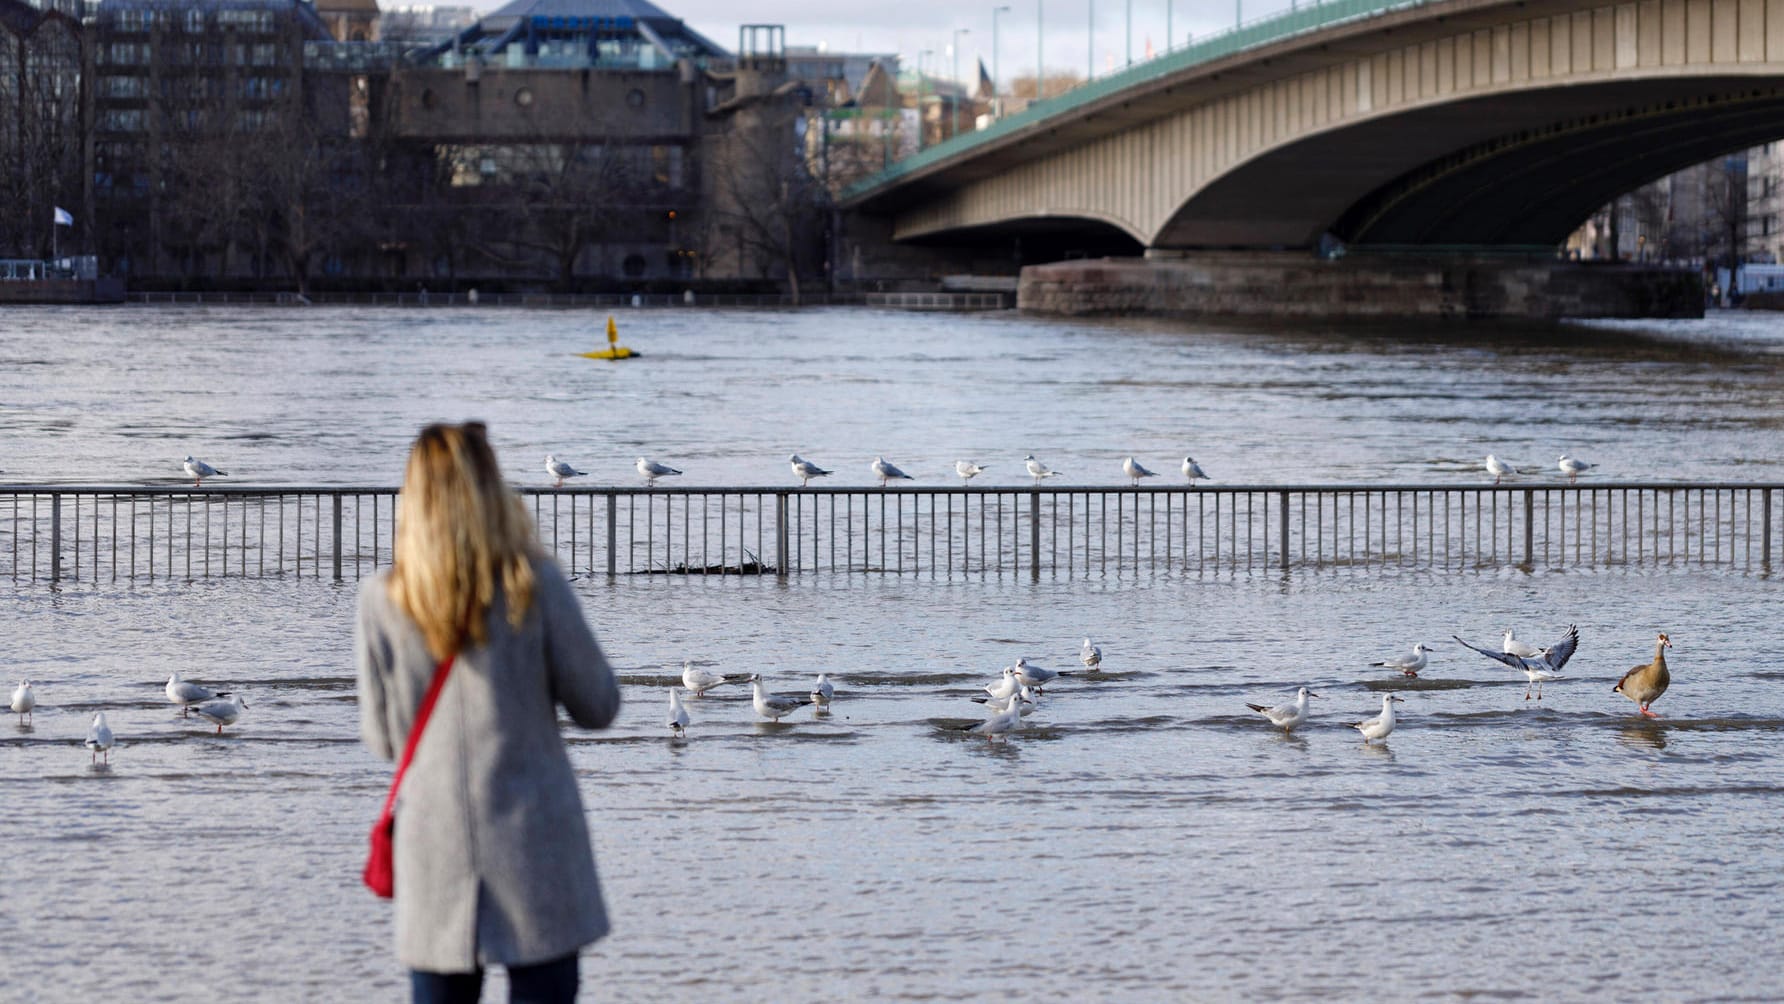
(1381,725)
(887,472)
(221,713)
(967,470)
(805,470)
(1132,469)
(1024,698)
(1091,656)
(1287,716)
(1544,664)
(1035,676)
(1499,468)
(23,700)
(773,706)
(1007,720)
(99,737)
(1193,470)
(1523,649)
(560,470)
(678,715)
(699,681)
(1002,688)
(1409,665)
(185,693)
(653,470)
(198,470)
(1038,470)
(1645,683)
(1573,467)
(822,691)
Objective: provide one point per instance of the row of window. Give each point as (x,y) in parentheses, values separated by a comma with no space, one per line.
(192,20)
(620,164)
(191,119)
(196,89)
(193,54)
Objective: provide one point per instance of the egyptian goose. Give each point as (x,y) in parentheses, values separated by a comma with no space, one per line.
(1645,683)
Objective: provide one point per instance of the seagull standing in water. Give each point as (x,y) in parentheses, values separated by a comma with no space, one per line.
(1091,656)
(653,470)
(1035,676)
(699,681)
(1000,689)
(967,470)
(1573,467)
(823,692)
(221,713)
(1007,720)
(678,715)
(887,471)
(1499,468)
(198,470)
(1193,470)
(1287,716)
(1025,697)
(1541,665)
(185,693)
(560,470)
(1038,470)
(99,737)
(805,470)
(1522,649)
(23,700)
(1409,665)
(1381,725)
(774,706)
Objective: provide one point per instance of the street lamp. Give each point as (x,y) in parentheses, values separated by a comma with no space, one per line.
(1005,9)
(1129,32)
(920,130)
(1040,52)
(1090,64)
(955,131)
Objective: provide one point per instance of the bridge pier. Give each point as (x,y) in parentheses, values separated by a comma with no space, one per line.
(1361,286)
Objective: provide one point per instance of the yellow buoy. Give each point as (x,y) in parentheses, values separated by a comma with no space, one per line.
(614,349)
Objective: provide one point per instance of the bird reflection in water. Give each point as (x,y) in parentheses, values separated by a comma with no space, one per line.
(1378,750)
(1643,733)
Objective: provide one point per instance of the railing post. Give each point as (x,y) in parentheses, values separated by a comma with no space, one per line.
(781,550)
(1765,523)
(1529,527)
(337,537)
(1282,534)
(612,535)
(56,538)
(1034,533)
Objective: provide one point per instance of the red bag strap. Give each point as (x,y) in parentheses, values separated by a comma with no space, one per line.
(421,717)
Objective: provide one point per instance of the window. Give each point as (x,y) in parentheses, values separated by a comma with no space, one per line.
(121,120)
(194,20)
(123,87)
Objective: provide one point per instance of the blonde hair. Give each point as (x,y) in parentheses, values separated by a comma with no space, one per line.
(461,536)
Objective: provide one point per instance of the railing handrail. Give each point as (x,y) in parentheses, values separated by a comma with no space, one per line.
(1221,489)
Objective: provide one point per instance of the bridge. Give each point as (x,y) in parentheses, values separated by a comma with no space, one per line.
(1477,123)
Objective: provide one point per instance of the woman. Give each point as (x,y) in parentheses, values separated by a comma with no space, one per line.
(492,854)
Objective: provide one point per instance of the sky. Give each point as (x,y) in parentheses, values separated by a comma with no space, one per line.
(908,27)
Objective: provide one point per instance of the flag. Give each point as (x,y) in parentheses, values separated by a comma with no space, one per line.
(64,218)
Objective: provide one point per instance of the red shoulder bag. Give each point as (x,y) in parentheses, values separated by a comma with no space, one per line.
(380,867)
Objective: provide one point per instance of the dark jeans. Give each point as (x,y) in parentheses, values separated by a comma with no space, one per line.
(551,982)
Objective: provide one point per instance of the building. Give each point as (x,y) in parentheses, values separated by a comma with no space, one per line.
(41,128)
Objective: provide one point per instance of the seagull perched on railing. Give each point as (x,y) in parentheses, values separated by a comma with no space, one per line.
(1193,470)
(1573,467)
(1038,470)
(805,470)
(1133,469)
(1499,468)
(1544,665)
(198,470)
(967,470)
(653,470)
(560,470)
(887,471)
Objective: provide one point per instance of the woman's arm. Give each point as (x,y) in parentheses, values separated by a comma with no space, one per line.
(581,679)
(369,655)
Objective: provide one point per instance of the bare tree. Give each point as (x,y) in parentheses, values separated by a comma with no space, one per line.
(309,190)
(766,199)
(40,137)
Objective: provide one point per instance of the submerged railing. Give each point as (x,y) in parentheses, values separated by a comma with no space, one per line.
(123,533)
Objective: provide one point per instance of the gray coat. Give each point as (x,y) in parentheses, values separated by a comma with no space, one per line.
(492,854)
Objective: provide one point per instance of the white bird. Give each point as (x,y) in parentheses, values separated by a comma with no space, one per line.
(1522,649)
(699,681)
(1024,697)
(198,470)
(1003,687)
(773,706)
(99,737)
(888,471)
(1091,656)
(1007,720)
(221,713)
(651,470)
(560,470)
(1409,665)
(1381,725)
(678,715)
(1133,469)
(967,470)
(805,470)
(1287,716)
(23,700)
(1573,467)
(1038,470)
(1193,470)
(1499,468)
(185,693)
(823,691)
(1035,676)
(1543,665)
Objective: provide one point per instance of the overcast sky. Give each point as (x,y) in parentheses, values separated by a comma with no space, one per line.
(907,27)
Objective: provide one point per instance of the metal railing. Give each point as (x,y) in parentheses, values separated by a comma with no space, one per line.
(124,533)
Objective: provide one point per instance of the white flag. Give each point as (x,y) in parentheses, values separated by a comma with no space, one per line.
(64,218)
